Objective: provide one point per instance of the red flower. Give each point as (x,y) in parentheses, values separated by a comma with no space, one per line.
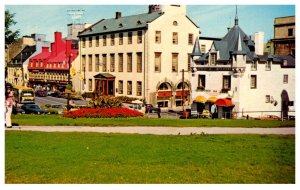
(103,113)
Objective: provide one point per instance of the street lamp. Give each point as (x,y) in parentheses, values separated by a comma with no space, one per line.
(69,81)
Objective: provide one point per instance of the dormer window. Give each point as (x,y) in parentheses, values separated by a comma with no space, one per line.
(139,22)
(268,66)
(104,27)
(213,58)
(120,25)
(175,23)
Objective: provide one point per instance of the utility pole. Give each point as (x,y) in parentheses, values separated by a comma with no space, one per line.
(182,87)
(69,81)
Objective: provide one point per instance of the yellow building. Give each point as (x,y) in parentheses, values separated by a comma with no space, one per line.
(140,56)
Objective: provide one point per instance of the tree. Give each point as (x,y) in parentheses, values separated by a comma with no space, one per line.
(10,36)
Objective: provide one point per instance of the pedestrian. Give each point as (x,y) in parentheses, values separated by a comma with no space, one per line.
(158,111)
(9,103)
(147,108)
(213,111)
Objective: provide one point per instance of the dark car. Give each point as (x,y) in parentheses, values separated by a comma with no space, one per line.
(41,93)
(151,108)
(18,110)
(33,109)
(58,94)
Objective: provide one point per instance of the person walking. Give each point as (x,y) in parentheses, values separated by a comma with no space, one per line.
(158,112)
(9,103)
(213,111)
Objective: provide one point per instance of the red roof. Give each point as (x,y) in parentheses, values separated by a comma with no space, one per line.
(224,102)
(43,55)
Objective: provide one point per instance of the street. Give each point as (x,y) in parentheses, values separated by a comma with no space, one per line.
(53,100)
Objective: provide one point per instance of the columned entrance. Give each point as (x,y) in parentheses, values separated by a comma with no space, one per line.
(104,84)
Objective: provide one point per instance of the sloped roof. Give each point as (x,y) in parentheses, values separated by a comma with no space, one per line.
(120,24)
(42,55)
(196,49)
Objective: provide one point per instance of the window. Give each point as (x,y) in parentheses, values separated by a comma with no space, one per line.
(253,82)
(90,63)
(112,62)
(83,62)
(139,37)
(226,83)
(90,41)
(112,39)
(139,88)
(285,79)
(157,37)
(104,62)
(268,66)
(201,82)
(129,62)
(104,40)
(129,37)
(121,39)
(83,42)
(213,57)
(174,62)
(175,23)
(175,38)
(97,41)
(97,64)
(90,85)
(129,87)
(189,57)
(120,62)
(190,39)
(290,32)
(157,62)
(139,64)
(268,99)
(120,87)
(203,48)
(254,66)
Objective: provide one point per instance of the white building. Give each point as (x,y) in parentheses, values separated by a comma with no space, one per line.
(139,56)
(234,77)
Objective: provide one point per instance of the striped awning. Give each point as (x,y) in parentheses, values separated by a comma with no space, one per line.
(212,99)
(200,99)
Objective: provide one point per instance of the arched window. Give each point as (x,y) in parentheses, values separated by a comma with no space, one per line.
(175,23)
(164,86)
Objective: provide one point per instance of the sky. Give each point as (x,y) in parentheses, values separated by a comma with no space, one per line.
(213,20)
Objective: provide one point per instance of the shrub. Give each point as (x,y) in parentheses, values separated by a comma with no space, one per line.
(103,113)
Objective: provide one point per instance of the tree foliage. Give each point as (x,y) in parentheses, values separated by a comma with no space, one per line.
(10,36)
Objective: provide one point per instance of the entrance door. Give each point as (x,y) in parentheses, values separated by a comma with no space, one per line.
(111,87)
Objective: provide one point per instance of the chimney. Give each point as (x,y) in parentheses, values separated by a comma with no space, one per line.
(57,36)
(151,9)
(68,47)
(118,15)
(53,49)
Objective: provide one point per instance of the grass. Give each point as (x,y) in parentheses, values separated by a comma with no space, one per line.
(58,120)
(93,158)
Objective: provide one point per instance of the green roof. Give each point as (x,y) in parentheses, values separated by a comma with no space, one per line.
(121,24)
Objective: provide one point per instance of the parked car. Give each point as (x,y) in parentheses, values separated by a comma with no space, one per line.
(33,109)
(58,94)
(53,109)
(41,93)
(152,109)
(18,110)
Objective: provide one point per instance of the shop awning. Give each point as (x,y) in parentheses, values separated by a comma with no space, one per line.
(200,99)
(212,99)
(224,102)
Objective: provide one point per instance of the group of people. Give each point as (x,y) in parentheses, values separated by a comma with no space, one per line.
(9,103)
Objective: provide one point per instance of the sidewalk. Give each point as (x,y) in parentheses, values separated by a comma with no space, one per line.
(158,130)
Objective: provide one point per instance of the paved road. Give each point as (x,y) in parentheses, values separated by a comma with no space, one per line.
(54,100)
(159,130)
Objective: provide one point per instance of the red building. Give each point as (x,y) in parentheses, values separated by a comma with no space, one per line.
(51,67)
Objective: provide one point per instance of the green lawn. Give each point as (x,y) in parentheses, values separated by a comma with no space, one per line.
(39,157)
(58,120)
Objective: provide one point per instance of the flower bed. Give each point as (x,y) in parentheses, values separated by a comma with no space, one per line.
(103,113)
